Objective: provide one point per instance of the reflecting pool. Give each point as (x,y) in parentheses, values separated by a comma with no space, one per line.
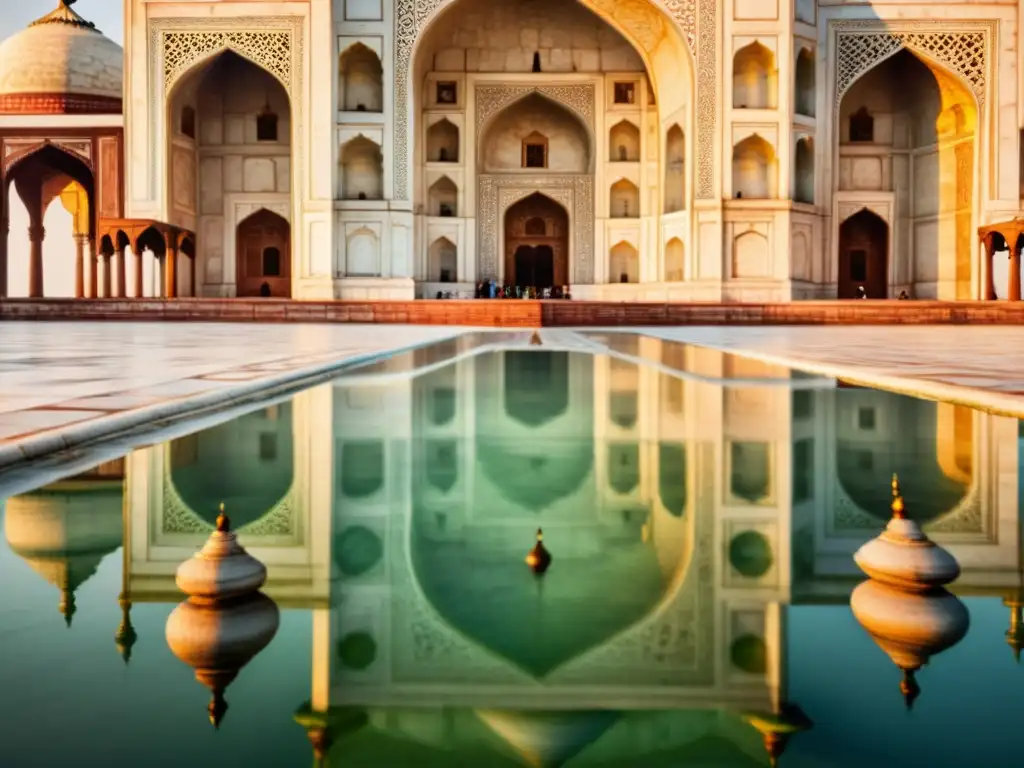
(702,511)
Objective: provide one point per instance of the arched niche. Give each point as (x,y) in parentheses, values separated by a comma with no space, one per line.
(535,120)
(863,256)
(675,170)
(911,105)
(804,82)
(360,80)
(624,143)
(263,257)
(242,111)
(672,486)
(443,142)
(362,254)
(674,260)
(444,261)
(804,171)
(624,200)
(624,263)
(246,463)
(754,171)
(362,170)
(754,80)
(443,198)
(750,255)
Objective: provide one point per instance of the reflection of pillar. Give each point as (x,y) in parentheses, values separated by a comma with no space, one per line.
(36,235)
(137,253)
(171,266)
(119,270)
(79,266)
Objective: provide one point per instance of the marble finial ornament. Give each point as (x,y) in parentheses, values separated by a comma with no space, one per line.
(222,568)
(904,556)
(535,339)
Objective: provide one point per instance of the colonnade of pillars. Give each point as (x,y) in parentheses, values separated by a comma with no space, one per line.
(1010,236)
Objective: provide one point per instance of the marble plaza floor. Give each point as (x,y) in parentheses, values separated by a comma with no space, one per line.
(67,383)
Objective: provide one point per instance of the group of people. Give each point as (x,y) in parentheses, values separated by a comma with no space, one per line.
(863,294)
(489,289)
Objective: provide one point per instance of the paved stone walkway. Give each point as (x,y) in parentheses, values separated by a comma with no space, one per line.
(91,379)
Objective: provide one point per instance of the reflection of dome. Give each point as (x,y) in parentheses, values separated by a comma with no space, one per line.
(535,475)
(548,739)
(64,60)
(63,535)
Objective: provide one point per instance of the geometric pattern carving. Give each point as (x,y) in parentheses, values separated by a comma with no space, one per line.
(707,101)
(411,16)
(274,43)
(492,98)
(498,192)
(862,45)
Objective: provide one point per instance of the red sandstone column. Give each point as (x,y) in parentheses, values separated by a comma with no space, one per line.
(990,278)
(1014,292)
(171,267)
(94,275)
(36,235)
(79,266)
(137,253)
(192,275)
(122,289)
(107,282)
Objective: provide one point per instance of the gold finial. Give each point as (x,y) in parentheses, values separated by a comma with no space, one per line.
(897,499)
(540,534)
(223,523)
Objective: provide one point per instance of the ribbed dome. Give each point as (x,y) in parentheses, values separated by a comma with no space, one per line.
(60,63)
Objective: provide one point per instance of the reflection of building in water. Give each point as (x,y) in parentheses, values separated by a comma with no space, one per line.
(410,501)
(64,530)
(268,471)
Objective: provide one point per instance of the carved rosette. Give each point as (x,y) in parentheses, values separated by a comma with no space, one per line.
(695,18)
(499,192)
(862,45)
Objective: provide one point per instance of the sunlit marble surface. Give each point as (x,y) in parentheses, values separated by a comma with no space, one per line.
(54,375)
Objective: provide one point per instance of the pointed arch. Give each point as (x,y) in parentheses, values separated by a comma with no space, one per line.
(754,169)
(362,170)
(754,77)
(444,261)
(624,263)
(624,200)
(624,142)
(360,79)
(443,197)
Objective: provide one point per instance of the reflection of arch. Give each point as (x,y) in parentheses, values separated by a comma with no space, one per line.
(929,445)
(362,468)
(539,260)
(624,142)
(624,200)
(247,464)
(443,142)
(362,174)
(754,82)
(536,386)
(360,80)
(754,169)
(863,256)
(263,256)
(674,260)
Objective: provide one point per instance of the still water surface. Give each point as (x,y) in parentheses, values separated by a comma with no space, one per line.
(702,511)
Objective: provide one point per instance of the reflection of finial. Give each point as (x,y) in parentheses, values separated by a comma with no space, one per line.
(125,636)
(897,499)
(223,522)
(217,707)
(909,688)
(67,605)
(775,745)
(1015,634)
(539,558)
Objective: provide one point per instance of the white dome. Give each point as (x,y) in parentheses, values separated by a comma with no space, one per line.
(61,54)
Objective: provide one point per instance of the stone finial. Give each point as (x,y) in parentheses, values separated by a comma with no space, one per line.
(224,522)
(897,499)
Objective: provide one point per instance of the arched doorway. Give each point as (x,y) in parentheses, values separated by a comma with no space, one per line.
(537,243)
(864,256)
(263,265)
(229,135)
(911,104)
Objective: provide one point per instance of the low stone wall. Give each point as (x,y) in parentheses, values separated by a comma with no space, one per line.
(518,313)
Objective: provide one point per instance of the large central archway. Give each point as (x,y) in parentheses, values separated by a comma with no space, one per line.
(618,72)
(905,140)
(229,155)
